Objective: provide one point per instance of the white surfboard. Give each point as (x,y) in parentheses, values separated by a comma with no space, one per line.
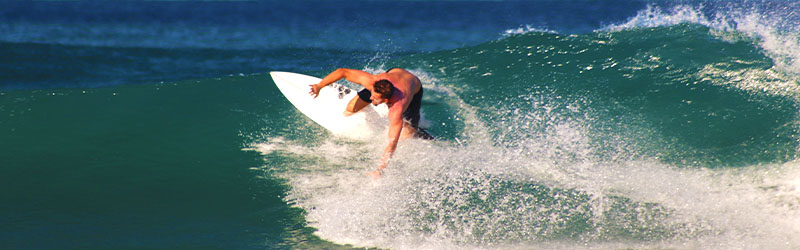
(327,109)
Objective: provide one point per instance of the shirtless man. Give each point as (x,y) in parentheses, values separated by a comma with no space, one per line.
(398,88)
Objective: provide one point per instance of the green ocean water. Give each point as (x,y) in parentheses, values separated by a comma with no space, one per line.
(676,136)
(152,162)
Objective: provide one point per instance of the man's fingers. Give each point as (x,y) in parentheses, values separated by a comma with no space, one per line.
(313,91)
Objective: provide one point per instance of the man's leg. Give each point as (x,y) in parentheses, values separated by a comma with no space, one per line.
(354,106)
(408,131)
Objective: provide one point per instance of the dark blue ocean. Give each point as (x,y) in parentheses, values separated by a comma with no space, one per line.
(561,125)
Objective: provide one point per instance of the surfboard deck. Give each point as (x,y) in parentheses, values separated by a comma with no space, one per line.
(328,108)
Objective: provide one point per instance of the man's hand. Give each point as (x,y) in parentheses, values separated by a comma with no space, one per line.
(314,90)
(375,174)
(379,171)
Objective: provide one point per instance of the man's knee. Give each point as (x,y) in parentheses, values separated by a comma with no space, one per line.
(355,105)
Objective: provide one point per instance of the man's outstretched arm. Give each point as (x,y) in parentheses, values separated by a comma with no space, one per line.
(395,127)
(353,75)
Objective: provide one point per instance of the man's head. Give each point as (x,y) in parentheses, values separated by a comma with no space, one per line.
(383,91)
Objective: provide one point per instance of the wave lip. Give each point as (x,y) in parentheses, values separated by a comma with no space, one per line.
(526,29)
(654,16)
(776,29)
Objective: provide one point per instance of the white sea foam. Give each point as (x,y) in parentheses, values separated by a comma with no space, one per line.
(751,208)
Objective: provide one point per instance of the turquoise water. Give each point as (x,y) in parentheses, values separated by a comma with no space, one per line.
(658,126)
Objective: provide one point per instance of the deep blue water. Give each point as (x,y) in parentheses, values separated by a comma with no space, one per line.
(89,44)
(563,124)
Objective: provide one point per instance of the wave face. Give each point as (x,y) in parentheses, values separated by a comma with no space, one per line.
(670,125)
(688,96)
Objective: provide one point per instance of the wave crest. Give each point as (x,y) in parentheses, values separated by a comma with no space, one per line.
(775,28)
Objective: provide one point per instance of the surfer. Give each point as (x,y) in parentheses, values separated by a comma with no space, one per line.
(399,89)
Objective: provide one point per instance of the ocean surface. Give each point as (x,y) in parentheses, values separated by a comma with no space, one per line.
(562,125)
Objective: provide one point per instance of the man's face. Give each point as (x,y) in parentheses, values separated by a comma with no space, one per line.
(377,98)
